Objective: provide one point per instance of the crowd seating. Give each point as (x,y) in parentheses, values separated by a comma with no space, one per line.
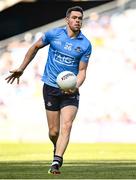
(107,97)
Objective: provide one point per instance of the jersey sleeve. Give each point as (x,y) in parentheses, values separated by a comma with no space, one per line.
(47,37)
(85,57)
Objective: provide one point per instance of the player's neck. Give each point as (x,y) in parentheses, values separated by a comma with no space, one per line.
(72,34)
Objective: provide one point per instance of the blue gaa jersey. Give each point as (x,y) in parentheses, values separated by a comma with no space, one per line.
(64,53)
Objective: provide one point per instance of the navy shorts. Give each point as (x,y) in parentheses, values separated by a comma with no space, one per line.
(54,99)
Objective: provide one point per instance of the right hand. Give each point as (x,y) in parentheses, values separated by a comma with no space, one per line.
(15,75)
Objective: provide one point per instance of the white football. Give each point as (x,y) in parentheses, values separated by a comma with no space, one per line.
(66,80)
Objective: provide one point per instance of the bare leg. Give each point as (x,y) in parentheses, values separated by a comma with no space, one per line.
(53,118)
(68,114)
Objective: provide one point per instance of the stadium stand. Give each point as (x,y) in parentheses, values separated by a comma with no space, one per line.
(110,86)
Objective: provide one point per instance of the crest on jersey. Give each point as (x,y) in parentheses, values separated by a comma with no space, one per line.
(78,49)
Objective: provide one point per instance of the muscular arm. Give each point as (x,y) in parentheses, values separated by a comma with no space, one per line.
(31,54)
(15,74)
(81,74)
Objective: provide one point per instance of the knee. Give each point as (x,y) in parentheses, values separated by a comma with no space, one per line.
(53,133)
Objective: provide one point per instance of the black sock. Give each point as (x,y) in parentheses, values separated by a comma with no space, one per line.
(54,149)
(58,160)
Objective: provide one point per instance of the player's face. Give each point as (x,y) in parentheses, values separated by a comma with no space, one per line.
(75,21)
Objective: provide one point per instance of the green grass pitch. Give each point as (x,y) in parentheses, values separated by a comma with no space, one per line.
(81,161)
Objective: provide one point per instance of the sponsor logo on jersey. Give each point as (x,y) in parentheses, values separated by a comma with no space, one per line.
(64,58)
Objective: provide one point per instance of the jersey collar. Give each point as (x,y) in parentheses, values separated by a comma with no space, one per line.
(80,35)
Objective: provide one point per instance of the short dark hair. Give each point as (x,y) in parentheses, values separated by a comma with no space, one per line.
(74,8)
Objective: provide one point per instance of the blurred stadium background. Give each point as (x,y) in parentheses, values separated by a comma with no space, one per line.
(107,110)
